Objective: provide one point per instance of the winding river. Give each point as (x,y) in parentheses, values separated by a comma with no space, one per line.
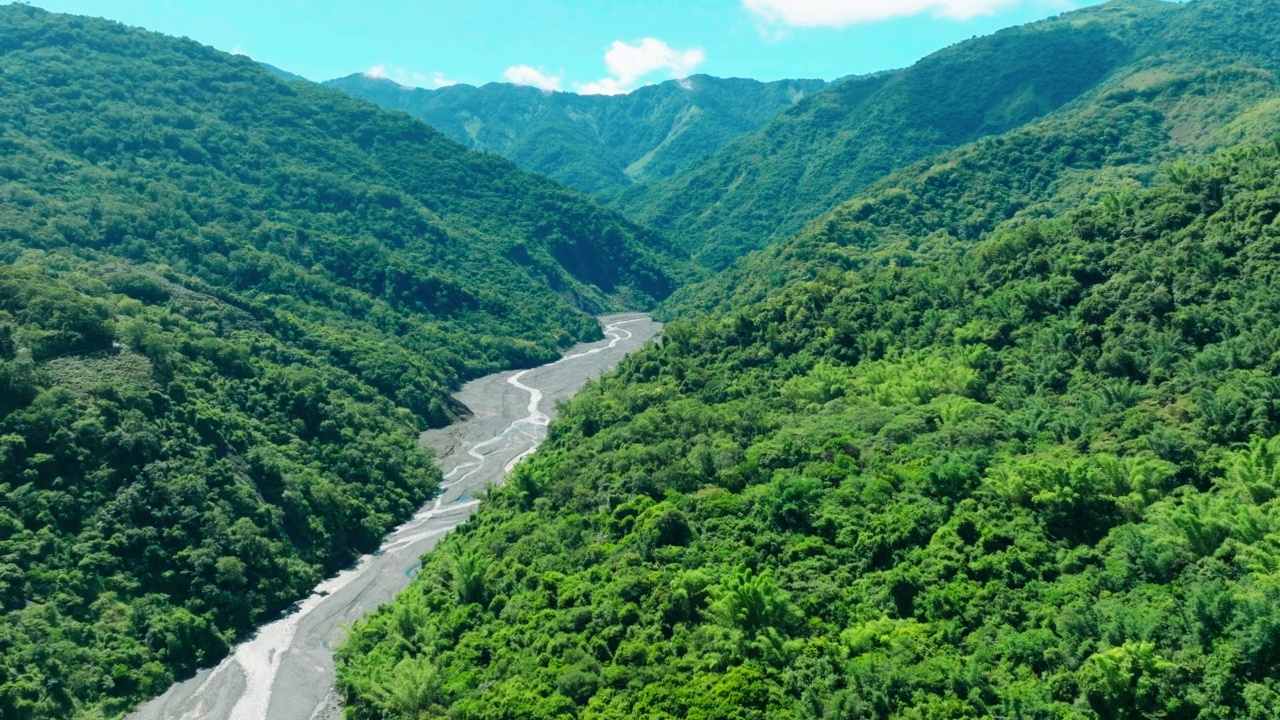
(285,671)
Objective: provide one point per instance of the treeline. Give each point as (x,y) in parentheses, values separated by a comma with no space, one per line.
(1035,476)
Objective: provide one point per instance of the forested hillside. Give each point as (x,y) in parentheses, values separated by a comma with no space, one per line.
(1205,80)
(1031,475)
(599,144)
(1140,54)
(228,304)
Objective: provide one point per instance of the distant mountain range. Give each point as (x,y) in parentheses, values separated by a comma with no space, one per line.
(731,166)
(598,144)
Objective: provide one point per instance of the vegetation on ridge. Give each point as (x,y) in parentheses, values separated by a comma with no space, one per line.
(826,149)
(996,437)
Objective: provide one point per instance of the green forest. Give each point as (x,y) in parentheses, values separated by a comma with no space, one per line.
(1200,66)
(1035,476)
(998,437)
(1205,81)
(228,305)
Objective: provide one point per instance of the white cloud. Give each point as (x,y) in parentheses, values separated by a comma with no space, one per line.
(839,13)
(603,86)
(628,63)
(526,75)
(409,78)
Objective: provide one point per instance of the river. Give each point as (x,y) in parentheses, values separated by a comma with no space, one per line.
(285,671)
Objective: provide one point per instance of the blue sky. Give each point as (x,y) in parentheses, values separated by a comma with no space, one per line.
(575,45)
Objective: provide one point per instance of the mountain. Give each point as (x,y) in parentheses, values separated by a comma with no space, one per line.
(998,436)
(228,304)
(1204,78)
(598,144)
(826,148)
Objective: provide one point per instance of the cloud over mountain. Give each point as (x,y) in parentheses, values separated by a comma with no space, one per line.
(409,78)
(628,63)
(529,75)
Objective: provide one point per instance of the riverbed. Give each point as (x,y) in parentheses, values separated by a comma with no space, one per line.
(285,671)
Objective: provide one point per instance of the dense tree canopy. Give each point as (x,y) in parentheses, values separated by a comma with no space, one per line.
(1033,476)
(172,474)
(998,436)
(164,151)
(228,304)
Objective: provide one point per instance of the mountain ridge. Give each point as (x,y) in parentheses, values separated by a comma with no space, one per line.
(765,186)
(1185,94)
(596,143)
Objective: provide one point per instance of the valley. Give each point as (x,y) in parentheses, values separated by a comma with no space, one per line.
(285,671)
(948,391)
